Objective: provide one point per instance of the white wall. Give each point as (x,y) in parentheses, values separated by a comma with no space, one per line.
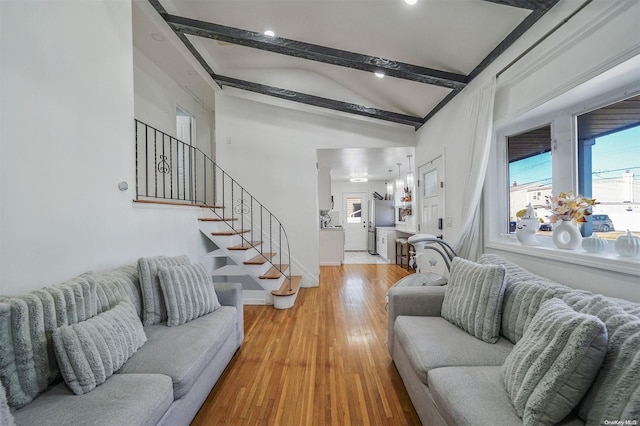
(156,99)
(67,140)
(271,151)
(601,36)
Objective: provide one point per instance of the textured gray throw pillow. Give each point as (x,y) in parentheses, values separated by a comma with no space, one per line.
(473,298)
(188,293)
(551,368)
(152,300)
(6,418)
(90,351)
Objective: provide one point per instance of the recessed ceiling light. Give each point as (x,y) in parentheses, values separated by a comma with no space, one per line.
(269,33)
(411,2)
(157,37)
(379,74)
(359,179)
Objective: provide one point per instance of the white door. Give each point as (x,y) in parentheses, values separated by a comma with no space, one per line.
(431,199)
(354,223)
(185,132)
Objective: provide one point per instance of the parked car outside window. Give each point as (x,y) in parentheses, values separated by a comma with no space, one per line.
(602,223)
(545,227)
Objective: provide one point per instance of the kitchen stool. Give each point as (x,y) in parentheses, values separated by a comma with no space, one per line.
(402,252)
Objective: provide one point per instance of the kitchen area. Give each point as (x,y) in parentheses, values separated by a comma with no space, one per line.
(331,239)
(363,215)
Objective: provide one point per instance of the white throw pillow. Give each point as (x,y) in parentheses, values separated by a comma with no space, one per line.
(473,298)
(90,351)
(188,293)
(551,368)
(154,310)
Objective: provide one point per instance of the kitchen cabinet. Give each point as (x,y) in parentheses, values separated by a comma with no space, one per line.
(332,246)
(386,243)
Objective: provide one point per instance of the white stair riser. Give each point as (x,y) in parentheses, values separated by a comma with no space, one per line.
(257,270)
(285,302)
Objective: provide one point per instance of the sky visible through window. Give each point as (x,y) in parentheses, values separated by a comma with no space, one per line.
(612,155)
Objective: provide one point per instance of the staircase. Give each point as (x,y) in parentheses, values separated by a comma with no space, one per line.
(248,244)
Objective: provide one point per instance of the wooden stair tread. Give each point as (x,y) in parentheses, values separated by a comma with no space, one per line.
(245,245)
(284,288)
(273,273)
(230,232)
(260,259)
(217,219)
(177,203)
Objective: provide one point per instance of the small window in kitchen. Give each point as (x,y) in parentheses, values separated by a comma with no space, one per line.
(354,210)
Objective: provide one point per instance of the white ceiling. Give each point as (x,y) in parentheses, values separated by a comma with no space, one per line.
(452,36)
(373,163)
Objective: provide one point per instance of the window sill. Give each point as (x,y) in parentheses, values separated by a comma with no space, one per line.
(606,260)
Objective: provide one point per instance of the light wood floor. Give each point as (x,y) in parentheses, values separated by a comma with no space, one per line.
(323,362)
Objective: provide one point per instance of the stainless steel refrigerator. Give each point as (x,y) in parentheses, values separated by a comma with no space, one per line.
(380,214)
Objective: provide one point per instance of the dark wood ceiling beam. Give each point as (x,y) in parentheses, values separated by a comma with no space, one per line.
(527,4)
(315,52)
(318,101)
(291,95)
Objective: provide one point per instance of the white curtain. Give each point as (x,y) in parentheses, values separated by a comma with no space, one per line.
(480,125)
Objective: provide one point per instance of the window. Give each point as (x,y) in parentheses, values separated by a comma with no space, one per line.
(354,210)
(594,140)
(609,167)
(529,164)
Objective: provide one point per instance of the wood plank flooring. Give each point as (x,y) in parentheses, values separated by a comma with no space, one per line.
(323,362)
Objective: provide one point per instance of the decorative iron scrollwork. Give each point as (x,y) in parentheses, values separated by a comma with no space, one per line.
(163,165)
(242,207)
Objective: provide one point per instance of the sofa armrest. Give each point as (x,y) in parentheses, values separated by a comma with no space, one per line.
(230,294)
(423,301)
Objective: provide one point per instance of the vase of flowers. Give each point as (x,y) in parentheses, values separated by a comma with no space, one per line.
(567,211)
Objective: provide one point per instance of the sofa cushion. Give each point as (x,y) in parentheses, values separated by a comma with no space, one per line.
(432,342)
(188,293)
(6,418)
(124,399)
(116,285)
(182,352)
(615,393)
(481,389)
(525,292)
(473,298)
(154,311)
(89,352)
(27,361)
(553,365)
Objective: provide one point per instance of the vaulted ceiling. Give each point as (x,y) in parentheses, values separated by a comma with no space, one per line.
(325,52)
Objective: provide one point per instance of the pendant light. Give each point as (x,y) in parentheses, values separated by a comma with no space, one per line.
(399,182)
(390,186)
(410,178)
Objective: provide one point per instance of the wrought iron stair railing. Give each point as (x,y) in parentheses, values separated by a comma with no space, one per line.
(170,170)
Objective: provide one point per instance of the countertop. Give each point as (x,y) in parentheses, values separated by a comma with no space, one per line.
(332,228)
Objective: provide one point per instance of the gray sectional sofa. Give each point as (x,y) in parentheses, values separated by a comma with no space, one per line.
(499,345)
(77,353)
